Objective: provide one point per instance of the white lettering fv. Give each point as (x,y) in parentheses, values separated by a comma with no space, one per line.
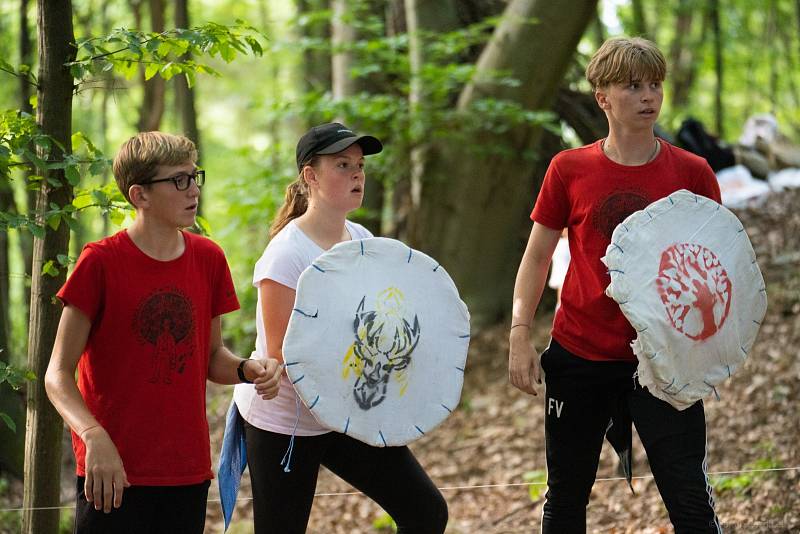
(553,403)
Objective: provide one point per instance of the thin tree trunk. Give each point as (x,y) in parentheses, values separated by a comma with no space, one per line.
(184,95)
(718,67)
(7,205)
(770,32)
(473,204)
(155,88)
(316,63)
(681,55)
(108,86)
(44,425)
(343,36)
(639,20)
(26,58)
(12,403)
(599,29)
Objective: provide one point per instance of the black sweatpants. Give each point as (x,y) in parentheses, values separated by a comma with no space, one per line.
(151,509)
(580,398)
(390,476)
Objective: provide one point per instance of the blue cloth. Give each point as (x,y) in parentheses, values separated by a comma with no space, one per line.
(232,462)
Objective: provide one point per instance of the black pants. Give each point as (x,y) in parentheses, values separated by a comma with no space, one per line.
(580,397)
(150,509)
(390,476)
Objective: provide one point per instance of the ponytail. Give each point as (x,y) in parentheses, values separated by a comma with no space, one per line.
(295,204)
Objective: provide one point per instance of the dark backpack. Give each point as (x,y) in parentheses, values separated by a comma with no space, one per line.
(693,137)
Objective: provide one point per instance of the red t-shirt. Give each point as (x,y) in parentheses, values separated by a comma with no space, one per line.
(586,192)
(143,370)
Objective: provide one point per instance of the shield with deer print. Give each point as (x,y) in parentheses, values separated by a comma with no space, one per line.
(686,277)
(377,341)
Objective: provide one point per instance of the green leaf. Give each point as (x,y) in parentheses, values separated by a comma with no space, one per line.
(43,142)
(62,259)
(33,158)
(151,70)
(203,225)
(72,222)
(54,221)
(34,101)
(98,166)
(83,200)
(100,197)
(77,70)
(50,269)
(117,217)
(73,175)
(538,483)
(9,422)
(37,231)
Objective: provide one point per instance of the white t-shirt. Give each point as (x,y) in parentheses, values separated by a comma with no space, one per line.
(287,255)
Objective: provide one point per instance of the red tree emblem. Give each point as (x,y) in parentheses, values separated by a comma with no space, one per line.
(695,290)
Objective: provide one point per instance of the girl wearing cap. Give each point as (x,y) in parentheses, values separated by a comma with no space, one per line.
(330,184)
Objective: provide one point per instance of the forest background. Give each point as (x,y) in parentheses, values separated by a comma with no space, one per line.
(471,99)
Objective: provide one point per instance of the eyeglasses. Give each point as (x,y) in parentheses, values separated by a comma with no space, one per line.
(182,180)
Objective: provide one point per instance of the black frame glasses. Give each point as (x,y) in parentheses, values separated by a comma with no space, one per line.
(183,180)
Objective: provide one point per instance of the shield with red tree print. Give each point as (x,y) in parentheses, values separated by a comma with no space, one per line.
(686,277)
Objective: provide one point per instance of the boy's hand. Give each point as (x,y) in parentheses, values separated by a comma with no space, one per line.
(523,362)
(105,474)
(267,378)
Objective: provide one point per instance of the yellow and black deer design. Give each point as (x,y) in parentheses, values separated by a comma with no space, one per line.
(384,341)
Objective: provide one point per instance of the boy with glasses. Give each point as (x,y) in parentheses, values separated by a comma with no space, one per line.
(141,323)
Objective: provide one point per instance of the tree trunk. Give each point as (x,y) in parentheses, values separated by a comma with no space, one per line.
(316,65)
(682,65)
(343,36)
(108,86)
(12,443)
(184,95)
(345,86)
(581,112)
(423,17)
(599,28)
(54,114)
(26,58)
(473,205)
(718,66)
(155,88)
(639,20)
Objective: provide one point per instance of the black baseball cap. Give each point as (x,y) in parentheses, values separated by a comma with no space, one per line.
(332,138)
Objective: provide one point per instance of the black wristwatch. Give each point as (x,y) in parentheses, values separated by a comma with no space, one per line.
(240,372)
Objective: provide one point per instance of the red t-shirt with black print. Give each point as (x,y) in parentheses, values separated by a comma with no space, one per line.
(144,368)
(589,194)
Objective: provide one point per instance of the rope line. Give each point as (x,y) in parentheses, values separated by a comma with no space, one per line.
(455,488)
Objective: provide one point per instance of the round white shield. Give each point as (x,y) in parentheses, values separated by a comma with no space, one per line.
(377,342)
(686,277)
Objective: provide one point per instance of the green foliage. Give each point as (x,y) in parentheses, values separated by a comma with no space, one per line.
(537,484)
(22,144)
(166,54)
(15,378)
(384,523)
(741,484)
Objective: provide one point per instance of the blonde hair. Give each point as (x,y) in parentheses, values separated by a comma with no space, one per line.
(138,159)
(624,59)
(295,202)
